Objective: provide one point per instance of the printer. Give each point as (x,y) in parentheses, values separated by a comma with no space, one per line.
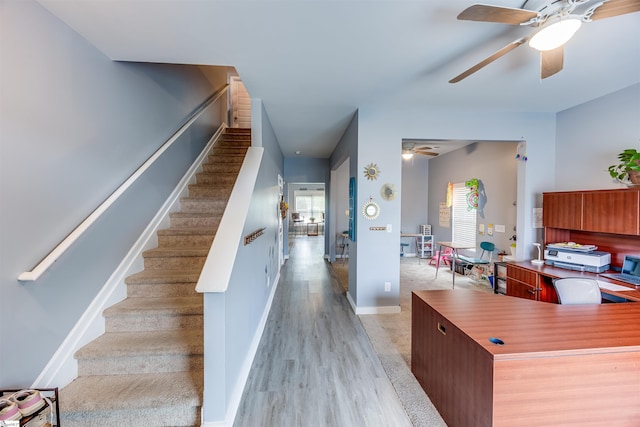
(577,257)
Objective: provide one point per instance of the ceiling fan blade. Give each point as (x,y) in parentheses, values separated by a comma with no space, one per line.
(613,8)
(427,153)
(551,62)
(508,48)
(502,15)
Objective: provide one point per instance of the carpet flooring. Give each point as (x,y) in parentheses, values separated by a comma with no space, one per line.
(390,334)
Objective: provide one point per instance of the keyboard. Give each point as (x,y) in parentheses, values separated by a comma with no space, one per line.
(632,280)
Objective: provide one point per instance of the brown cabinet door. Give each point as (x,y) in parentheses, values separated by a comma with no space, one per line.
(521,290)
(562,210)
(611,212)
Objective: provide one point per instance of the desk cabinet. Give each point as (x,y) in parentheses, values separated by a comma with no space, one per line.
(522,283)
(554,369)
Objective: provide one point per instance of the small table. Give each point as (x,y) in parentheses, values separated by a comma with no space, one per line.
(454,246)
(311,231)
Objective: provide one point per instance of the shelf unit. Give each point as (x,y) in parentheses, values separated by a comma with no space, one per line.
(424,246)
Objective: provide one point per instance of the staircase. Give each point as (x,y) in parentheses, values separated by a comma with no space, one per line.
(147,368)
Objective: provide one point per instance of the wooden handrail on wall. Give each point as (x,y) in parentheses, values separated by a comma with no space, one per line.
(36,272)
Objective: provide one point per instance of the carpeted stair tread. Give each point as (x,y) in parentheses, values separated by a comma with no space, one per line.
(164,276)
(187,231)
(106,392)
(179,306)
(176,252)
(119,344)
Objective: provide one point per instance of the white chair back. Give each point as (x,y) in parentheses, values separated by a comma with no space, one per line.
(577,290)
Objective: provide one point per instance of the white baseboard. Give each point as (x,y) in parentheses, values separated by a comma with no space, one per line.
(389,309)
(62,368)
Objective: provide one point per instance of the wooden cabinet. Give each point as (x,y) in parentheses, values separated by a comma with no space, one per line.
(562,210)
(598,211)
(522,283)
(611,212)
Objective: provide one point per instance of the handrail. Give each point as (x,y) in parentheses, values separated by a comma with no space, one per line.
(38,270)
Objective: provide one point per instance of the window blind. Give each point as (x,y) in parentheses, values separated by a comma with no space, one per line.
(463,218)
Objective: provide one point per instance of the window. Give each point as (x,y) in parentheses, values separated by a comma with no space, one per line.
(463,217)
(310,204)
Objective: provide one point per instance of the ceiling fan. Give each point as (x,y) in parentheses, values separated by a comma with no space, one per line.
(411,148)
(556,22)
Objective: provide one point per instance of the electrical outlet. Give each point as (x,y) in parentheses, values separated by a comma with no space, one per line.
(387,286)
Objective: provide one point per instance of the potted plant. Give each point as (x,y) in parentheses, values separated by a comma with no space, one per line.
(628,169)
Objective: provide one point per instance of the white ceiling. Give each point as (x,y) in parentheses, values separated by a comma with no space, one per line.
(315,62)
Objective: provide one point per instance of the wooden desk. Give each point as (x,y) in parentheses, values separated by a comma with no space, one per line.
(540,280)
(454,246)
(559,365)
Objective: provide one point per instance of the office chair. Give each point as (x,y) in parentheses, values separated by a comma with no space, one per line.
(577,290)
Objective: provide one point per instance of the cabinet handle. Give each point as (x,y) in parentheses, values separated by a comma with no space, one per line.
(533,291)
(442,329)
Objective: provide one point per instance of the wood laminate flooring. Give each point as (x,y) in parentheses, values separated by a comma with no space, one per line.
(315,365)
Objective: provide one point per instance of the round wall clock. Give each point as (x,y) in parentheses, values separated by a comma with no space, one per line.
(371,171)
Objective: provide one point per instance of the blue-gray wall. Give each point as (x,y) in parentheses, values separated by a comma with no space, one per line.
(75,125)
(591,135)
(495,165)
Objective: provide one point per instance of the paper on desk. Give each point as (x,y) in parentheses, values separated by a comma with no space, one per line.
(613,286)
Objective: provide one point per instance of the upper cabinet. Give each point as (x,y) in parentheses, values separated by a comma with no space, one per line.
(611,212)
(562,210)
(598,211)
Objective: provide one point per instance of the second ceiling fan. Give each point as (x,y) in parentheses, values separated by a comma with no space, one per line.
(556,22)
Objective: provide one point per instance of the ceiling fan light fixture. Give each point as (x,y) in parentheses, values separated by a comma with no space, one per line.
(407,154)
(555,35)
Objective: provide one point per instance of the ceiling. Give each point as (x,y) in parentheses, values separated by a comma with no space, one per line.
(313,63)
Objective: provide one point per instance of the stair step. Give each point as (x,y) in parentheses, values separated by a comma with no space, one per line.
(168,399)
(203,204)
(180,237)
(229,158)
(154,314)
(241,141)
(175,258)
(119,353)
(222,167)
(216,177)
(228,151)
(162,283)
(195,220)
(206,190)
